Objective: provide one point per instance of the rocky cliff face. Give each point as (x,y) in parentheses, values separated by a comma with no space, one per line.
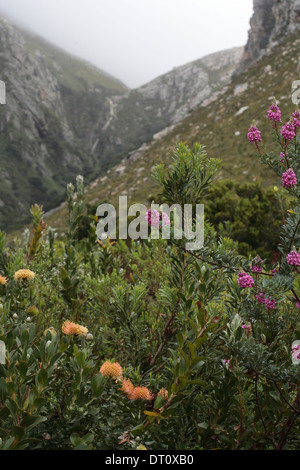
(43,144)
(271,21)
(187,87)
(64,117)
(141,113)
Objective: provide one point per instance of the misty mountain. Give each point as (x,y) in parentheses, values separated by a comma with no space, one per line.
(220,124)
(65,117)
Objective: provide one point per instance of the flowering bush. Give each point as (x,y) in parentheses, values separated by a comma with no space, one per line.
(147,345)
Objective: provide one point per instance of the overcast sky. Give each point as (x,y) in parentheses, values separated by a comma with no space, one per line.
(136,40)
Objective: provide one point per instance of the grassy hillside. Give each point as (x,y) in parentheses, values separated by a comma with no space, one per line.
(73,74)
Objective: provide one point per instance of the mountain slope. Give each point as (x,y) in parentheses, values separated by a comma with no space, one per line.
(169,98)
(64,117)
(221,125)
(41,145)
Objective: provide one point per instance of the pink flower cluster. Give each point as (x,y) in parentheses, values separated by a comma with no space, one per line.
(296,119)
(256,265)
(283,157)
(156,219)
(293,258)
(245,280)
(288,131)
(254,135)
(227,362)
(289,179)
(296,351)
(274,113)
(246,327)
(268,301)
(297,302)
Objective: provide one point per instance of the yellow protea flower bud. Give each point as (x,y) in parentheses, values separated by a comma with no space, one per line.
(164,393)
(32,310)
(111,369)
(24,274)
(141,447)
(51,330)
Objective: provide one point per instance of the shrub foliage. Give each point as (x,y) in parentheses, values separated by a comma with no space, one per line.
(115,345)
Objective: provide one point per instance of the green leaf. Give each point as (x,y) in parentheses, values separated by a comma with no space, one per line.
(203,425)
(192,349)
(200,341)
(3,389)
(137,430)
(12,406)
(42,377)
(183,380)
(29,422)
(198,382)
(18,432)
(8,443)
(97,384)
(158,402)
(23,368)
(80,358)
(238,333)
(180,339)
(2,352)
(197,363)
(275,396)
(4,412)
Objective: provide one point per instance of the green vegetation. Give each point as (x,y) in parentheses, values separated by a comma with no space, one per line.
(146,344)
(249,214)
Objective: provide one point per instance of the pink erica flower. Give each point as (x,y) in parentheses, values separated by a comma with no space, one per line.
(288,131)
(289,179)
(274,113)
(245,280)
(296,119)
(254,134)
(293,258)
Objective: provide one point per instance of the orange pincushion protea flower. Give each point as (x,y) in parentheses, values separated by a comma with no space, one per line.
(3,280)
(141,393)
(70,328)
(164,393)
(127,387)
(24,274)
(111,369)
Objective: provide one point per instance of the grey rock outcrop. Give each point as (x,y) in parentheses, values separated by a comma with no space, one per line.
(143,112)
(187,87)
(271,21)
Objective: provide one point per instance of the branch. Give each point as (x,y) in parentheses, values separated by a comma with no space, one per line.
(260,412)
(289,423)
